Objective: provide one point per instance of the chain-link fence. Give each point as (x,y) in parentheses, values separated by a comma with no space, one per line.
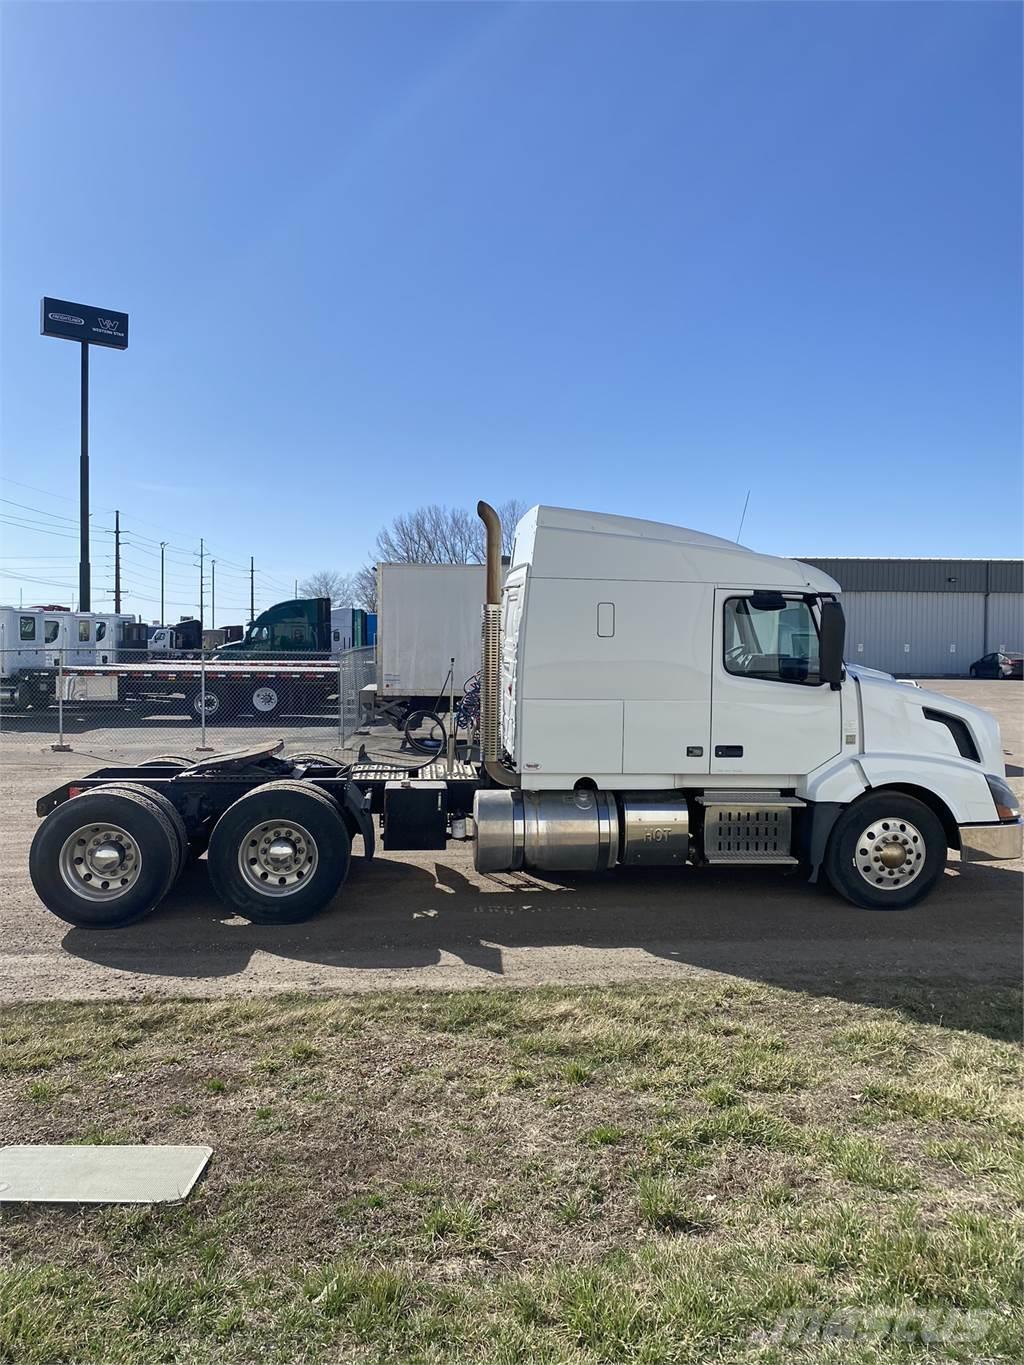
(126,705)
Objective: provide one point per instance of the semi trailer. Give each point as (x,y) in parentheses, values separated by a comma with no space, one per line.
(650,696)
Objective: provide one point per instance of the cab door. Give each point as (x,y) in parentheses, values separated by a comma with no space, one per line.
(771,714)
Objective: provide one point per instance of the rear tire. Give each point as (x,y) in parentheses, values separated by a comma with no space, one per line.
(170,812)
(167,761)
(104,859)
(280,853)
(886,851)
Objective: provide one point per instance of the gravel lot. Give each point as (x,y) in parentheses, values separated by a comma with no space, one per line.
(430,921)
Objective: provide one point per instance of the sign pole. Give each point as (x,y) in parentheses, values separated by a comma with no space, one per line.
(84,586)
(82,323)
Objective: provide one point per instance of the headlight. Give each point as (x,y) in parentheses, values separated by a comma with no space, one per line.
(1006,803)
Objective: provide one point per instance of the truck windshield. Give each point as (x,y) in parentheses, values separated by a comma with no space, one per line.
(777,644)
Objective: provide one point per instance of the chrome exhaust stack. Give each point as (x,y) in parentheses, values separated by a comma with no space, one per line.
(490,656)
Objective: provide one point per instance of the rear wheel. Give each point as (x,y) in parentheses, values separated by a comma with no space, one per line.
(886,851)
(280,853)
(169,811)
(104,859)
(168,761)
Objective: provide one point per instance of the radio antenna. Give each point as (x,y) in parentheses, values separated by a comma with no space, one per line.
(746,502)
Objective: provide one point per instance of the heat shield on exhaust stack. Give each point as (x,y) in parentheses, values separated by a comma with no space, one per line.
(490,673)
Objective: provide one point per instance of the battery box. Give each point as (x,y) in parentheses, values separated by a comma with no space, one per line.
(415,815)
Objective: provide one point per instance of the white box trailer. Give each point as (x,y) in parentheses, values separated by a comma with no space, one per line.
(427,614)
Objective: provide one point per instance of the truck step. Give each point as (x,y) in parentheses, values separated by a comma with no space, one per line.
(752,859)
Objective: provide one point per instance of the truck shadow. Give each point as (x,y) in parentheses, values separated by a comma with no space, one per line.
(404,917)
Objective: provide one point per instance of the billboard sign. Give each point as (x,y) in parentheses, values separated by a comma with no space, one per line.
(79,322)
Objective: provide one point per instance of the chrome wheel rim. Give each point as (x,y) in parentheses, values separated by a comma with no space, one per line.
(277,857)
(100,862)
(890,853)
(212,704)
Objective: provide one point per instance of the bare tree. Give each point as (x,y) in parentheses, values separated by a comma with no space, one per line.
(510,512)
(433,535)
(339,587)
(444,535)
(364,587)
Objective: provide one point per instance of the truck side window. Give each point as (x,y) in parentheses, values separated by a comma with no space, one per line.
(775,644)
(51,629)
(83,632)
(27,627)
(101,629)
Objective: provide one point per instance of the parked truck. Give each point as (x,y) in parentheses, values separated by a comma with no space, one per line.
(286,661)
(651,696)
(305,625)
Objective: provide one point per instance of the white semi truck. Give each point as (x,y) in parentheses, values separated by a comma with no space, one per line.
(651,696)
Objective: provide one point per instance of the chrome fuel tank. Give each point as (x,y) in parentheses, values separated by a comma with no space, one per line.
(575,831)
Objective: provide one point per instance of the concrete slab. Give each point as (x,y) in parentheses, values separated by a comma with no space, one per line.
(99,1174)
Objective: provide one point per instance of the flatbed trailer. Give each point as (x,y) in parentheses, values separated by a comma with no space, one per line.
(264,689)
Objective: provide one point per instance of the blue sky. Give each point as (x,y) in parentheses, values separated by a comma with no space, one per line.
(638,258)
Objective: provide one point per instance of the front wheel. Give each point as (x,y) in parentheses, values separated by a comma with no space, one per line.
(886,852)
(280,853)
(973,671)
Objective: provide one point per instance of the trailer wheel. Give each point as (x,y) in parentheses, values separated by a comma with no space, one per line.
(214,704)
(886,851)
(170,812)
(267,700)
(280,853)
(103,859)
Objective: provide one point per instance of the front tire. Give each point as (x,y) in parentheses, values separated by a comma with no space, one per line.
(104,859)
(886,851)
(280,853)
(973,671)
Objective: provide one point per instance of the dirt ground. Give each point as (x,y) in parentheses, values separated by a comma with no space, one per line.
(430,921)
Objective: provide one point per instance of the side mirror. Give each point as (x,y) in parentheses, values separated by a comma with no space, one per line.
(833,642)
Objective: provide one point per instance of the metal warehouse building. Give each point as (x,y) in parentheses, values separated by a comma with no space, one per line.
(920,617)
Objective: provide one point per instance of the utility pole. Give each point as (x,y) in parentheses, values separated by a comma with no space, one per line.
(117,563)
(252,589)
(296,587)
(163,547)
(213,594)
(200,583)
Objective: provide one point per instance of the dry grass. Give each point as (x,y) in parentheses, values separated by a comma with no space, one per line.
(573,1176)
